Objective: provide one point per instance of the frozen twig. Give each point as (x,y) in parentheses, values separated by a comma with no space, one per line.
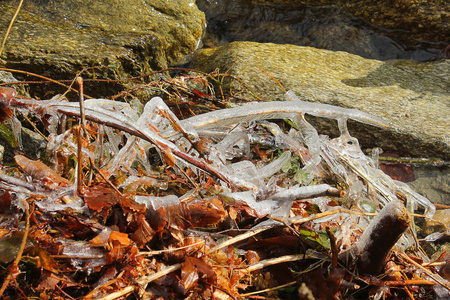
(121,122)
(304,192)
(372,249)
(279,110)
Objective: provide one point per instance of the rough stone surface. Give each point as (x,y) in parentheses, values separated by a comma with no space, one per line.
(433,183)
(416,20)
(440,222)
(422,20)
(413,96)
(123,37)
(372,29)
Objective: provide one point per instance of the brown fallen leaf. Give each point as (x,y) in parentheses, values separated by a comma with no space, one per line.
(41,172)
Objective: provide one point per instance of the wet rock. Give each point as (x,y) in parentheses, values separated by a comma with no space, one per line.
(7,77)
(412,96)
(433,183)
(372,29)
(440,222)
(419,20)
(123,38)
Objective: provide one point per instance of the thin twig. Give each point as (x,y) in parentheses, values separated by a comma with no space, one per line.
(10,26)
(40,76)
(123,292)
(334,249)
(81,100)
(433,276)
(269,289)
(104,178)
(282,87)
(79,162)
(240,237)
(143,282)
(15,265)
(300,220)
(277,260)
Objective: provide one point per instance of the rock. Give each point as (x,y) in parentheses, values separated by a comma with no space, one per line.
(415,21)
(413,96)
(440,222)
(433,183)
(33,143)
(123,38)
(372,29)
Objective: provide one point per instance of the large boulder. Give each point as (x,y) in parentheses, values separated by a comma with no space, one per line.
(123,38)
(386,29)
(412,96)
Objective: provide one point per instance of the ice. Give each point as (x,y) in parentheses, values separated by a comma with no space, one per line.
(262,208)
(154,203)
(226,155)
(16,128)
(133,183)
(274,166)
(233,145)
(302,192)
(245,170)
(336,112)
(277,110)
(157,114)
(283,140)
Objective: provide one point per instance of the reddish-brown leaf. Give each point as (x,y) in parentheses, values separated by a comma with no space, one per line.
(189,275)
(120,237)
(5,201)
(41,172)
(205,271)
(45,260)
(6,94)
(206,213)
(168,157)
(144,233)
(100,196)
(101,239)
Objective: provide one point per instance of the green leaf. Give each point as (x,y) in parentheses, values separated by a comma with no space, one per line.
(8,135)
(315,239)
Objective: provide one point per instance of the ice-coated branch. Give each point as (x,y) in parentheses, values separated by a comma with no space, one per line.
(279,110)
(304,192)
(122,122)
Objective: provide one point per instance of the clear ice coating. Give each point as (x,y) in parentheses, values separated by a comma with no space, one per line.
(226,153)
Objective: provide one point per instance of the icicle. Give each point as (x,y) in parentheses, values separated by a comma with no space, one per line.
(16,127)
(234,145)
(245,170)
(152,116)
(274,166)
(283,140)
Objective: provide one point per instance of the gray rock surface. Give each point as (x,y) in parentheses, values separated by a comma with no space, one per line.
(372,29)
(413,96)
(123,38)
(433,183)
